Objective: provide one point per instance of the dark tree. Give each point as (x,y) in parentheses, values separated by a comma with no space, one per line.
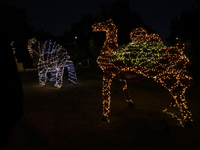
(91,43)
(187,29)
(15,27)
(198,2)
(11,92)
(13,21)
(125,19)
(77,39)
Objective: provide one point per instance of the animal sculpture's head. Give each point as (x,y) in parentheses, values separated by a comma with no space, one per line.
(104,26)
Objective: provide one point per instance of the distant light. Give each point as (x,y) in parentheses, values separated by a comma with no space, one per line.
(75,37)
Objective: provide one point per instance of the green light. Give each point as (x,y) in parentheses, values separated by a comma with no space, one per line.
(139,53)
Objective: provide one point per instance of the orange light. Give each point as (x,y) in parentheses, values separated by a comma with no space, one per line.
(170,71)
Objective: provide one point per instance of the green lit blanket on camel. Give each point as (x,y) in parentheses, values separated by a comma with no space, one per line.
(139,53)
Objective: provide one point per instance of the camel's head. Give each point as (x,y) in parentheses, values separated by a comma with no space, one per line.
(104,26)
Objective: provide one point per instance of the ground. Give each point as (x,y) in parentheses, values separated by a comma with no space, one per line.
(70,118)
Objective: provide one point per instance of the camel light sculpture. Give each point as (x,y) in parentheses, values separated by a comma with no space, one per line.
(51,58)
(166,65)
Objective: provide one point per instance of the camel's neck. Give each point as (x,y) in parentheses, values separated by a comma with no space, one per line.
(111,43)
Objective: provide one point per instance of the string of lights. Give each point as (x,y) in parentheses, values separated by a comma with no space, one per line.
(52,59)
(20,66)
(151,59)
(139,53)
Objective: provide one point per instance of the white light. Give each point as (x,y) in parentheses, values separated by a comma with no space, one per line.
(52,59)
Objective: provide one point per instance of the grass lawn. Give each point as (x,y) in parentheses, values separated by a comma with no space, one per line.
(70,118)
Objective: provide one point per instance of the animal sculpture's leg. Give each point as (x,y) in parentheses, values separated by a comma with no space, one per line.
(71,72)
(180,102)
(126,92)
(53,75)
(59,77)
(42,74)
(106,94)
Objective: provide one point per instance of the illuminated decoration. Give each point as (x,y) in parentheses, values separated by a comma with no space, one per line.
(20,66)
(52,59)
(139,53)
(170,69)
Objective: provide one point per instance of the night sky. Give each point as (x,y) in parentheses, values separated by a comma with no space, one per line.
(57,16)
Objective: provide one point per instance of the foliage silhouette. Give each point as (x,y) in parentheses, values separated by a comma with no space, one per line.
(186,29)
(15,27)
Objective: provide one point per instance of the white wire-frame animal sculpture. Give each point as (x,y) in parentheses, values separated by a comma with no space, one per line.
(52,58)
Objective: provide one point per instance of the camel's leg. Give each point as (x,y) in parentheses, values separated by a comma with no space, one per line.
(106,95)
(180,102)
(59,77)
(185,113)
(126,92)
(171,105)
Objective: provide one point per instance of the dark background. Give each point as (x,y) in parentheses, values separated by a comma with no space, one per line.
(58,16)
(54,120)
